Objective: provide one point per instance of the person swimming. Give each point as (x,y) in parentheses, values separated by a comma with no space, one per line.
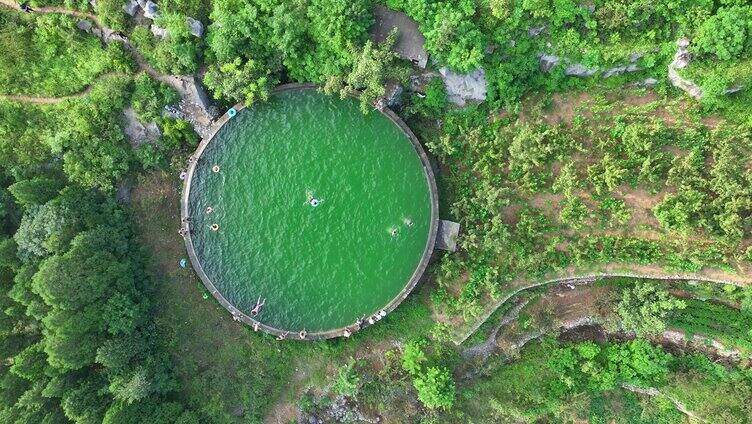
(259,305)
(311,200)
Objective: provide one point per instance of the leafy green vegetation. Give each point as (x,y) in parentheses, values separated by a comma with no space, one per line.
(552,175)
(47,55)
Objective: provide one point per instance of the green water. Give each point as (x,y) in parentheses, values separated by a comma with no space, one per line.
(323,267)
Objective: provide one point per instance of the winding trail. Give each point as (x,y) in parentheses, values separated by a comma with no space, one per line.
(199,113)
(54,100)
(641,272)
(651,391)
(485,349)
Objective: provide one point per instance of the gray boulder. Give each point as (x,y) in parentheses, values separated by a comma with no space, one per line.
(534,32)
(547,62)
(84,25)
(462,88)
(195,26)
(393,94)
(159,32)
(131,7)
(133,129)
(611,72)
(150,10)
(632,67)
(634,57)
(681,60)
(734,89)
(115,36)
(580,70)
(650,82)
(153,132)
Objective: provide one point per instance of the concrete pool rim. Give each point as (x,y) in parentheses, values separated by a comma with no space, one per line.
(293,334)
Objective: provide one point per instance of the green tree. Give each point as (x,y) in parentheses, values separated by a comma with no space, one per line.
(644,307)
(726,33)
(373,67)
(435,388)
(246,82)
(35,191)
(42,230)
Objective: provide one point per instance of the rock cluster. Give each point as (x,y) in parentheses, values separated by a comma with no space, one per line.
(547,62)
(681,61)
(138,133)
(462,88)
(151,11)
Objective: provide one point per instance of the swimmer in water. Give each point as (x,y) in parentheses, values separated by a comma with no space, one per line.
(311,200)
(214,227)
(408,222)
(257,309)
(215,168)
(303,334)
(209,209)
(393,231)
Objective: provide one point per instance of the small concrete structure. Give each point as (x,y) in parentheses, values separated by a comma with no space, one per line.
(410,43)
(446,238)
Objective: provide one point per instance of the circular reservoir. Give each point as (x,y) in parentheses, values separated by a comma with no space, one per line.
(325,214)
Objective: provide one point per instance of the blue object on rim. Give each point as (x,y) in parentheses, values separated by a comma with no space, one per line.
(232,112)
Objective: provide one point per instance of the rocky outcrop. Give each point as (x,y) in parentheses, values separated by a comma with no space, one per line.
(681,61)
(138,133)
(84,25)
(463,88)
(131,7)
(195,27)
(150,10)
(580,70)
(534,32)
(195,106)
(158,32)
(547,62)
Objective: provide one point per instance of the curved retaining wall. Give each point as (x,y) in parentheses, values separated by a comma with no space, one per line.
(293,335)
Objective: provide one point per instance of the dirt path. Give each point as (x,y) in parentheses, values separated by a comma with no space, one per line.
(608,271)
(485,349)
(198,113)
(58,99)
(53,9)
